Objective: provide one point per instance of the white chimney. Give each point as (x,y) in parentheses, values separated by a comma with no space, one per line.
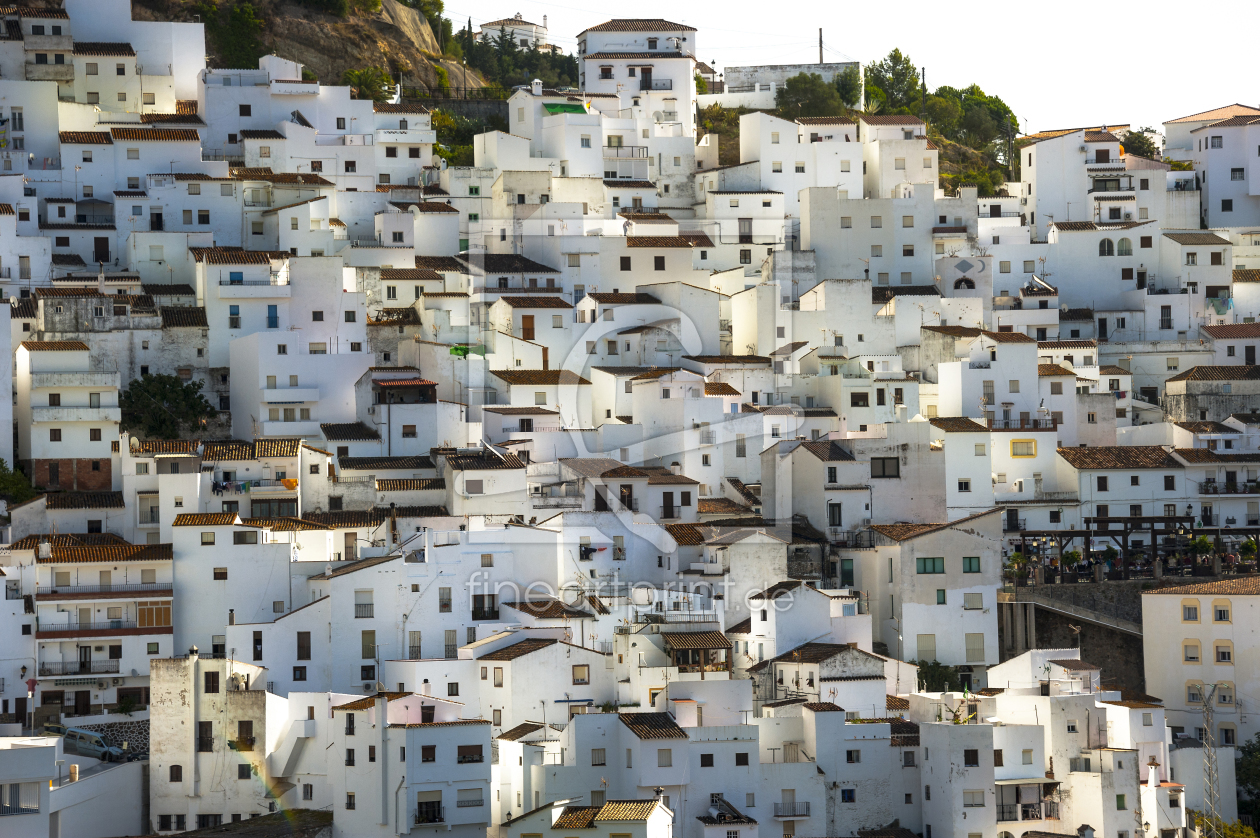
(537,86)
(544,21)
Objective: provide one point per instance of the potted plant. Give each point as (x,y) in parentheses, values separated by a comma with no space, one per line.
(1248,552)
(1070,560)
(1018,564)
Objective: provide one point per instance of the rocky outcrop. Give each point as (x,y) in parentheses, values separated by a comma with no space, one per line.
(397,38)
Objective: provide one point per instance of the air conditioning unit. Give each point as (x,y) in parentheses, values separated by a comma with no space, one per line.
(371,410)
(1023,202)
(369,687)
(117,681)
(100,685)
(866,522)
(1083,149)
(1128,216)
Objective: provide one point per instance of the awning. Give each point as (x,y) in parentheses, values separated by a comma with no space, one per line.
(695,640)
(564,107)
(1029,781)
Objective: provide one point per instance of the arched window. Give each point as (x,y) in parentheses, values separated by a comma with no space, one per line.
(964,283)
(1106,248)
(1124,247)
(177,773)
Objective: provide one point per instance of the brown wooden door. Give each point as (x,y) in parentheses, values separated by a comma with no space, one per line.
(527,326)
(100,249)
(546,359)
(82,702)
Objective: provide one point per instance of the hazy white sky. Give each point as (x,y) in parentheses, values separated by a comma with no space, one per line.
(1057,66)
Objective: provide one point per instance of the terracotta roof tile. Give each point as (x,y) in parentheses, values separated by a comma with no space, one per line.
(85,137)
(174,317)
(410,275)
(1233,330)
(518,649)
(548,609)
(109,553)
(414,484)
(54,345)
(156,135)
(657,241)
(829,451)
(653,725)
(609,298)
(1246,275)
(539,377)
(1119,457)
(276,447)
(958,425)
(1197,238)
(629,184)
(501,263)
(85,500)
(535,302)
(626,810)
(1239,372)
(1241,586)
(384,463)
(894,702)
(576,817)
(484,462)
(640,24)
(1051,370)
(227,450)
(171,118)
(205,519)
(103,49)
(904,532)
(721,506)
(164,446)
(348,431)
(403,107)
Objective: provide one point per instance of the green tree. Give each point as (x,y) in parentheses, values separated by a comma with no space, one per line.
(876,99)
(702,86)
(936,677)
(1247,771)
(897,76)
(944,114)
(14,487)
(1247,549)
(1201,546)
(233,32)
(369,83)
(1226,829)
(977,125)
(806,94)
(163,406)
(1139,142)
(849,86)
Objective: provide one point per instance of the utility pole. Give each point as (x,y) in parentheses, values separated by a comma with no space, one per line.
(1211,790)
(820,60)
(923,94)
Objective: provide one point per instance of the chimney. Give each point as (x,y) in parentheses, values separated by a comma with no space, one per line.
(901,411)
(425,687)
(537,86)
(544,21)
(231,616)
(192,652)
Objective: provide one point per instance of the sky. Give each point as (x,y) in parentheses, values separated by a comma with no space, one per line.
(1140,65)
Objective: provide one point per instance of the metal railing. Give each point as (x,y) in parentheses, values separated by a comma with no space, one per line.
(1014,525)
(242,743)
(1165,323)
(13,593)
(275,280)
(463,759)
(122,588)
(623,151)
(1021,424)
(89,625)
(413,653)
(93,667)
(1007,812)
(1051,808)
(16,809)
(1211,487)
(669,513)
(1030,811)
(1182,186)
(656,84)
(429,813)
(149,517)
(362,610)
(451,651)
(463,804)
(205,744)
(791,810)
(485,614)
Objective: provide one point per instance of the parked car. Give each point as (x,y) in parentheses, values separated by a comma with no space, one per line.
(87,743)
(54,729)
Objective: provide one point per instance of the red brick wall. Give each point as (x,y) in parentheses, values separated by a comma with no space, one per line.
(75,475)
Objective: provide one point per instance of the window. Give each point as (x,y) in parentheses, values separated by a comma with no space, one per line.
(859,399)
(211,682)
(220,574)
(581,674)
(930,565)
(846,796)
(1221,612)
(1120,801)
(1224,653)
(884,467)
(971,757)
(1102,482)
(664,758)
(1190,613)
(964,485)
(973,799)
(975,647)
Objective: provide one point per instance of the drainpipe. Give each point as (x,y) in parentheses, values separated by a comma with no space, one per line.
(382,725)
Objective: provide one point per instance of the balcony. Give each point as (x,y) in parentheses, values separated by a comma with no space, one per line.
(429,813)
(1106,191)
(463,804)
(1008,812)
(288,395)
(450,651)
(656,84)
(376,242)
(1051,809)
(50,72)
(205,744)
(96,628)
(363,610)
(1165,323)
(241,743)
(1211,487)
(1183,186)
(18,809)
(1014,524)
(157,589)
(75,379)
(485,614)
(670,513)
(1030,811)
(413,653)
(47,43)
(93,667)
(273,280)
(1022,424)
(625,151)
(791,810)
(76,414)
